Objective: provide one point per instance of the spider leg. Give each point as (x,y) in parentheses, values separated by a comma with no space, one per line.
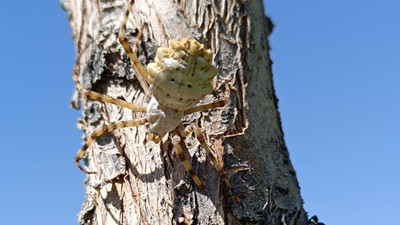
(100,97)
(177,146)
(138,39)
(199,135)
(105,129)
(143,76)
(211,105)
(153,137)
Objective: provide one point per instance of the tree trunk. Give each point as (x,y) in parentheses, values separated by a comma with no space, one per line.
(140,182)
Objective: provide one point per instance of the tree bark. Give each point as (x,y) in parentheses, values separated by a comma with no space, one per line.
(140,182)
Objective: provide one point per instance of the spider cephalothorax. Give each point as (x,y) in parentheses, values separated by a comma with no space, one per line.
(180,77)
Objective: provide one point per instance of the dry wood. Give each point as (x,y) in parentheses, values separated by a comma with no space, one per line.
(140,182)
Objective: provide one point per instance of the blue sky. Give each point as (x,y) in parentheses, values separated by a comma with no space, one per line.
(336,70)
(337,75)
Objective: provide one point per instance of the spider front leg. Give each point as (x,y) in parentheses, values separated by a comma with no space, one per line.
(143,75)
(105,129)
(200,137)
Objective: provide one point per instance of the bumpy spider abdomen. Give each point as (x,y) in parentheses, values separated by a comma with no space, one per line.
(182,74)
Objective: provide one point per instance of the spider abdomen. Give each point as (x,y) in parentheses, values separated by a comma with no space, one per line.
(182,74)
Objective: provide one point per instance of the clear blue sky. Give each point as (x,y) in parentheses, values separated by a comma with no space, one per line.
(336,70)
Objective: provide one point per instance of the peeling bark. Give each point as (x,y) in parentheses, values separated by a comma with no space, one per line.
(140,182)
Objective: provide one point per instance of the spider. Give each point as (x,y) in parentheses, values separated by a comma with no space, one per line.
(180,77)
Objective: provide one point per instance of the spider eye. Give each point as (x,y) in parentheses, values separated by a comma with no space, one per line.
(172,80)
(189,86)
